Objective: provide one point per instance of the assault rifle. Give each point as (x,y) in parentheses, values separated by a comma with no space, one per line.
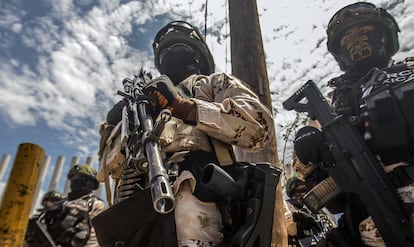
(37,235)
(356,170)
(139,138)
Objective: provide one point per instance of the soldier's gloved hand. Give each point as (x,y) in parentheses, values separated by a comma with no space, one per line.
(306,221)
(164,95)
(310,146)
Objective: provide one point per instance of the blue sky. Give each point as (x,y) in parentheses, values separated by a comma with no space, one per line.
(61,62)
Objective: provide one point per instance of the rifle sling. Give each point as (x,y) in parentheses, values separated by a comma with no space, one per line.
(223,151)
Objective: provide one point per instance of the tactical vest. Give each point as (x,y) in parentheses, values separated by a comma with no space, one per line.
(68,222)
(380,105)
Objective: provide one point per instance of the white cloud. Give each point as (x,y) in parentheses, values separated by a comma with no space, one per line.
(81,57)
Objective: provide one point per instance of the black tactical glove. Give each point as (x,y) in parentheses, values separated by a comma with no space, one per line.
(310,146)
(164,95)
(306,221)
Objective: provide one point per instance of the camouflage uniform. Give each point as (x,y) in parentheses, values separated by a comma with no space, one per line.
(226,110)
(69,222)
(404,70)
(97,206)
(231,113)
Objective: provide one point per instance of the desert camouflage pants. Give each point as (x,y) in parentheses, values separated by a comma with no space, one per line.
(369,233)
(198,223)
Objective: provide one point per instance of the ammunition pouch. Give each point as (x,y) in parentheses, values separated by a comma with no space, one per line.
(68,222)
(321,194)
(111,158)
(387,108)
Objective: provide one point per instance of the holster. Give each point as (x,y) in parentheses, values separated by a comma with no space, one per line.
(246,201)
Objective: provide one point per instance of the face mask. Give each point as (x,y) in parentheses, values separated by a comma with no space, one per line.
(364,52)
(78,187)
(178,65)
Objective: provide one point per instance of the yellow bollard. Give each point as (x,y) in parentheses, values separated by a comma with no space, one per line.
(18,196)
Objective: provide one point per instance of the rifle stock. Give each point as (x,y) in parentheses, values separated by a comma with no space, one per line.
(356,170)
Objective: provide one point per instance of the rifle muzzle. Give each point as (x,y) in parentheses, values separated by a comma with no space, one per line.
(162,195)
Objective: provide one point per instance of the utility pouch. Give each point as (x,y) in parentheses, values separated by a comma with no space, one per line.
(111,158)
(322,193)
(387,101)
(405,95)
(386,120)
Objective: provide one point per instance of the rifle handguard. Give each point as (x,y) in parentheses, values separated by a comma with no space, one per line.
(139,143)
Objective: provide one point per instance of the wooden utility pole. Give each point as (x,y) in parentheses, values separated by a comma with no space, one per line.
(248,64)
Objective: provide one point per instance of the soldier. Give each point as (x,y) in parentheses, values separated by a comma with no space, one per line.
(37,225)
(69,222)
(206,107)
(305,228)
(363,38)
(50,198)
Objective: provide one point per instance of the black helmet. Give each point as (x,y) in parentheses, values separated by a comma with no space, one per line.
(360,13)
(184,36)
(53,196)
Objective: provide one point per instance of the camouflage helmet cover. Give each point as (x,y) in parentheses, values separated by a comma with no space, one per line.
(181,32)
(82,169)
(362,13)
(52,196)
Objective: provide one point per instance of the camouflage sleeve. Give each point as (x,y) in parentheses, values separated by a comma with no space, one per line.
(231,112)
(97,208)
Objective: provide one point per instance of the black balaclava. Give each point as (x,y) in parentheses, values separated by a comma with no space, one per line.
(365,51)
(79,187)
(179,62)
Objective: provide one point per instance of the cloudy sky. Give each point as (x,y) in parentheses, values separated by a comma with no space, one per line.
(61,62)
